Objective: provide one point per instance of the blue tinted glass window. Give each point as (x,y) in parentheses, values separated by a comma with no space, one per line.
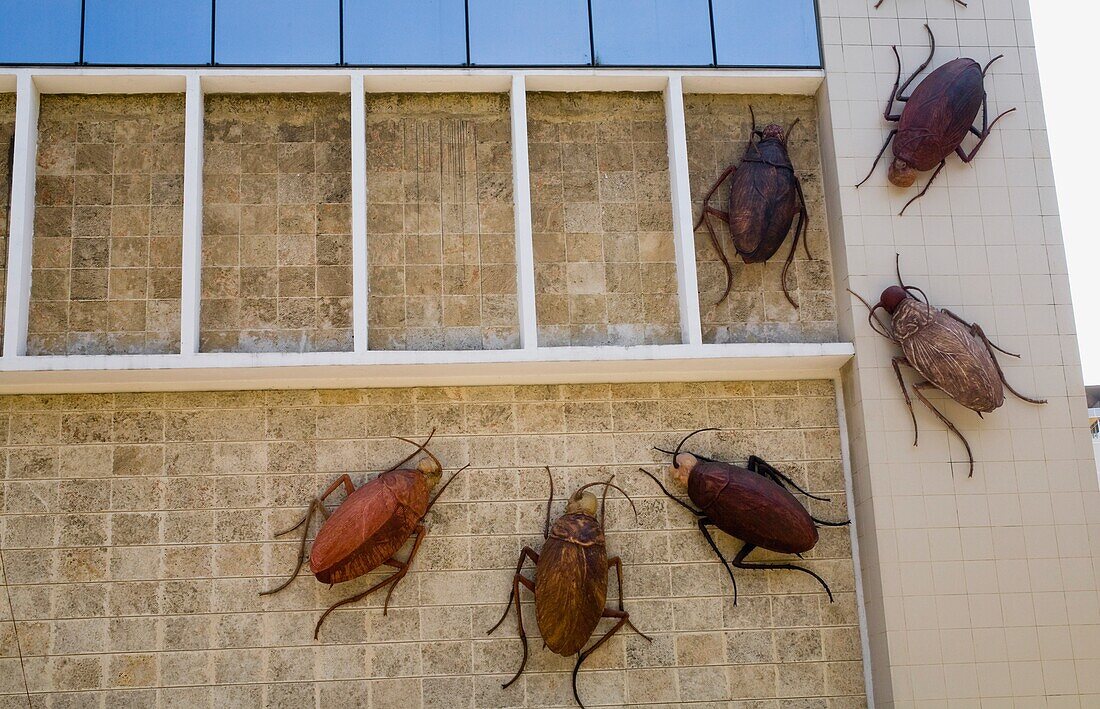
(140,32)
(777,33)
(399,32)
(529,32)
(37,32)
(277,32)
(652,32)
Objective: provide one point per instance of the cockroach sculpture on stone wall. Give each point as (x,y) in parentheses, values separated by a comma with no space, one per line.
(765,198)
(369,527)
(570,583)
(935,119)
(952,355)
(752,504)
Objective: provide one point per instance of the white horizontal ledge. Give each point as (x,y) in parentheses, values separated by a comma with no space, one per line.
(329,370)
(84,80)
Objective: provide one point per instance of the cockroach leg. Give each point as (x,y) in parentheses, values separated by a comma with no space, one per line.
(760,466)
(985,69)
(943,163)
(980,334)
(824,523)
(393,579)
(971,325)
(739,562)
(922,67)
(704,523)
(986,131)
(317,504)
(618,564)
(624,618)
(527,553)
(898,361)
(946,421)
(670,496)
(889,138)
(714,188)
(549,502)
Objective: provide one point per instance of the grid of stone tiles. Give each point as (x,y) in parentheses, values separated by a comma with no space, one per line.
(605,271)
(108,225)
(276,249)
(440,222)
(139,529)
(7,130)
(718,128)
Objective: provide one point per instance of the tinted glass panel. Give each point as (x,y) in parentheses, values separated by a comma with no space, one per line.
(427,32)
(140,32)
(529,32)
(277,32)
(776,33)
(652,32)
(37,32)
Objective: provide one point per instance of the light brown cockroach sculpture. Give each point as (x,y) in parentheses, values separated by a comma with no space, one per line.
(951,354)
(371,525)
(570,583)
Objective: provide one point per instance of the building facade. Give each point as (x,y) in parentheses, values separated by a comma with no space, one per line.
(249,244)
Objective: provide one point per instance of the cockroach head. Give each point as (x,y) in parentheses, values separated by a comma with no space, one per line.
(681,467)
(774,132)
(582,502)
(892,297)
(902,173)
(431,470)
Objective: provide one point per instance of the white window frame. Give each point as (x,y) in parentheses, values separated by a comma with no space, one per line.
(529,363)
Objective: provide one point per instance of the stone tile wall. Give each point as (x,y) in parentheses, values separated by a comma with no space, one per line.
(440,222)
(108,225)
(7,129)
(139,529)
(718,130)
(276,250)
(605,271)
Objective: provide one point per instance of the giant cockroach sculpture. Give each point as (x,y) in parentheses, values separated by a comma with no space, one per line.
(764,200)
(752,504)
(369,527)
(951,354)
(570,583)
(935,119)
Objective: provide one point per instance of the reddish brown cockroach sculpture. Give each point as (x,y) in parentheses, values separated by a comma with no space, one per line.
(751,504)
(951,354)
(935,119)
(570,583)
(369,527)
(765,197)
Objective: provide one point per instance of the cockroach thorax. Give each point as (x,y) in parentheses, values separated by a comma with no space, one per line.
(902,173)
(431,470)
(892,297)
(582,503)
(682,466)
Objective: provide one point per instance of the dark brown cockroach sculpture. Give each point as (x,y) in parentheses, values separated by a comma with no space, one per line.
(765,197)
(951,354)
(369,527)
(935,119)
(751,504)
(570,583)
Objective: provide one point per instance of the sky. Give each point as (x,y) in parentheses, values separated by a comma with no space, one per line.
(1064,33)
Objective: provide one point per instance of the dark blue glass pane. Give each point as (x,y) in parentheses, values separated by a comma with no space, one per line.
(652,32)
(141,32)
(39,32)
(776,33)
(277,32)
(529,32)
(399,32)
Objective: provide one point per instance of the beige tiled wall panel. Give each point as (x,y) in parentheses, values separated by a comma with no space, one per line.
(276,249)
(7,130)
(108,225)
(980,592)
(605,271)
(718,131)
(440,222)
(139,529)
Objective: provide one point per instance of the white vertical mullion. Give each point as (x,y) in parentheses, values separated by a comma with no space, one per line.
(21,217)
(191,293)
(686,274)
(360,272)
(521,192)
